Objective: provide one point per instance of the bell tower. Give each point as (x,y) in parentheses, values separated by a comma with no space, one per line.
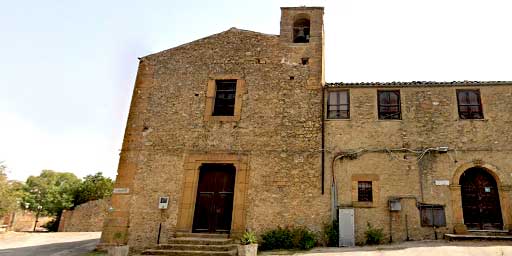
(302,34)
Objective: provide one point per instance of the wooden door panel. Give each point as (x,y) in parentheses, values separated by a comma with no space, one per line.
(480,200)
(204,205)
(214,203)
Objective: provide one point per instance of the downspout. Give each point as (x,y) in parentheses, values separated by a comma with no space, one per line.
(323,139)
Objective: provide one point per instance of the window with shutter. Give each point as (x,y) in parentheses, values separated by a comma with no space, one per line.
(470,104)
(389,105)
(338,105)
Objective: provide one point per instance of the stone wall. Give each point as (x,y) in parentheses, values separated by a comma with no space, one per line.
(278,134)
(87,217)
(24,221)
(429,120)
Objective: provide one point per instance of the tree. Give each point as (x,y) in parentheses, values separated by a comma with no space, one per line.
(10,193)
(93,187)
(51,192)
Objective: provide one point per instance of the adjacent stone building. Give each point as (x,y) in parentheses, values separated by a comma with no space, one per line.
(239,131)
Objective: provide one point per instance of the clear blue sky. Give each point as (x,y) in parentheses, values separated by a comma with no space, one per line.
(68,67)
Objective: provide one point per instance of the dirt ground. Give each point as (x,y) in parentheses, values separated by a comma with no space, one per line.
(414,248)
(48,244)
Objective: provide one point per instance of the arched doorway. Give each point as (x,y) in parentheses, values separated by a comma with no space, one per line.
(480,200)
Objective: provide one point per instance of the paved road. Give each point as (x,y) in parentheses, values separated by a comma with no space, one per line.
(47,244)
(415,248)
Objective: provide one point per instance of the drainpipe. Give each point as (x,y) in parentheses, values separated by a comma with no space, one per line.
(323,139)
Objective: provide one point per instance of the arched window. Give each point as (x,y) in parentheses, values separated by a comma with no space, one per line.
(301,30)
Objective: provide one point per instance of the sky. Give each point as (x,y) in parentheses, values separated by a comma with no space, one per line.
(68,67)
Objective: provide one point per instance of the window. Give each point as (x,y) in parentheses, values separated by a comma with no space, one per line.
(364,191)
(338,105)
(470,105)
(225,91)
(432,215)
(301,31)
(389,105)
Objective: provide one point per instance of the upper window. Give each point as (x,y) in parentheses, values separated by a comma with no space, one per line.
(338,105)
(364,191)
(225,91)
(389,105)
(470,105)
(301,29)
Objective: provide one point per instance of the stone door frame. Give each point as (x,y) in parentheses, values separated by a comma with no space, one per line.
(456,196)
(190,182)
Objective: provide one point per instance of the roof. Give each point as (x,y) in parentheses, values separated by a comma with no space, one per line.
(416,84)
(231,30)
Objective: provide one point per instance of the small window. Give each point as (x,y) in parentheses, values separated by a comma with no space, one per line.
(338,105)
(432,215)
(225,91)
(364,191)
(470,104)
(301,31)
(389,105)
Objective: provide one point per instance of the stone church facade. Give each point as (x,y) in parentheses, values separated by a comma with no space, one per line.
(240,132)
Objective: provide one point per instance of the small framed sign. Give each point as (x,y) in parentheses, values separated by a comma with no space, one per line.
(121,191)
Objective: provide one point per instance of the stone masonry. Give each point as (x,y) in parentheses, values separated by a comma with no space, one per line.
(274,141)
(87,217)
(429,120)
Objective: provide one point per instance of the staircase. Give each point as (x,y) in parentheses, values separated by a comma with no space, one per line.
(196,244)
(481,235)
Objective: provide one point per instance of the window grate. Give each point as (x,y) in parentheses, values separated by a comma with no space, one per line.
(364,191)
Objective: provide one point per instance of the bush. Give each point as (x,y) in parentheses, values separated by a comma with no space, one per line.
(52,225)
(373,235)
(303,239)
(248,238)
(288,238)
(280,238)
(331,233)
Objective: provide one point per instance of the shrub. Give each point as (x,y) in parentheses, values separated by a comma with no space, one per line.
(248,238)
(52,225)
(373,235)
(280,238)
(331,233)
(303,239)
(288,238)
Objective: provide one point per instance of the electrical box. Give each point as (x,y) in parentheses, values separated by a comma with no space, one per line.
(394,205)
(163,202)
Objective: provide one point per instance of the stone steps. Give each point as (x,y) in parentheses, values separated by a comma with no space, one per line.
(197,247)
(202,235)
(196,244)
(190,253)
(489,232)
(200,241)
(481,235)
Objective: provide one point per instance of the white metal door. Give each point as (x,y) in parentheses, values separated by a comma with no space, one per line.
(346,220)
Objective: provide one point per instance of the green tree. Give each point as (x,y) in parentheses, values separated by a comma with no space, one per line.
(51,192)
(10,193)
(93,187)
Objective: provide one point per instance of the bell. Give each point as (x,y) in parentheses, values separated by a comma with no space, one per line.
(300,38)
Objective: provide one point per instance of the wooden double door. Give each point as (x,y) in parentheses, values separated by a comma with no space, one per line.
(214,201)
(480,200)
